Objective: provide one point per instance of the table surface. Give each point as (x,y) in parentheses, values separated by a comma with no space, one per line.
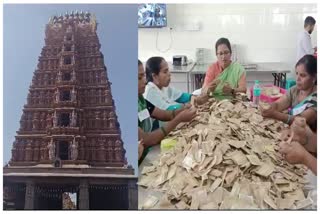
(143,193)
(263,67)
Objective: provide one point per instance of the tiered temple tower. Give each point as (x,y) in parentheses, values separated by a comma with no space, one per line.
(70,114)
(69,121)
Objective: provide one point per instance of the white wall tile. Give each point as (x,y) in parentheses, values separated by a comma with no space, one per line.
(262,32)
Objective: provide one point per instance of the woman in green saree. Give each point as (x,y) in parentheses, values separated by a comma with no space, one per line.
(147,112)
(224,77)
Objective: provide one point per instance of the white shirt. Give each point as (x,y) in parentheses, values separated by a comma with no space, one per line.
(161,98)
(304,45)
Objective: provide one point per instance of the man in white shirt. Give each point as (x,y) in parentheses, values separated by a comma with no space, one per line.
(304,40)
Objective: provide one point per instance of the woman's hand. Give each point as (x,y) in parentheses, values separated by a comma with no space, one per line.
(299,128)
(287,135)
(202,99)
(212,86)
(140,148)
(295,133)
(267,112)
(187,115)
(293,152)
(227,90)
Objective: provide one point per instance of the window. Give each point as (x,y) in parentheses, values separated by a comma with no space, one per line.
(67,48)
(67,60)
(69,37)
(64,119)
(63,150)
(66,77)
(65,96)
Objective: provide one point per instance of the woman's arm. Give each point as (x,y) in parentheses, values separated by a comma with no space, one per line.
(166,115)
(311,162)
(281,104)
(311,141)
(304,135)
(154,137)
(242,85)
(310,115)
(294,153)
(209,77)
(140,149)
(276,108)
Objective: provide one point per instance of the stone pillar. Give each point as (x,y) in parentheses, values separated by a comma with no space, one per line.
(30,196)
(84,195)
(132,194)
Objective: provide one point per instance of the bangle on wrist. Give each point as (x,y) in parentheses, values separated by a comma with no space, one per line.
(163,131)
(289,119)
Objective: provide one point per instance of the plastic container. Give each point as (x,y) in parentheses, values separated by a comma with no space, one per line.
(256,93)
(167,144)
(266,98)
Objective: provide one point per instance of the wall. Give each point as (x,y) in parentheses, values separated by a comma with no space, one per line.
(261,32)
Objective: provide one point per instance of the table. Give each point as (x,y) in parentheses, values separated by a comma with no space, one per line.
(184,70)
(143,193)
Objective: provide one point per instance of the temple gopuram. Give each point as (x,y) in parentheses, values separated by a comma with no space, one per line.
(69,141)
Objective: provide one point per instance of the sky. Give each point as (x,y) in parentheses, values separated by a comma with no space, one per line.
(23,39)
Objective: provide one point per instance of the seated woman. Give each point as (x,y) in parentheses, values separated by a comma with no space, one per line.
(147,111)
(224,77)
(158,91)
(302,98)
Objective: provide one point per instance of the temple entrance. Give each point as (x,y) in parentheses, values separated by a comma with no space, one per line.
(72,193)
(69,201)
(56,197)
(108,197)
(48,203)
(62,150)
